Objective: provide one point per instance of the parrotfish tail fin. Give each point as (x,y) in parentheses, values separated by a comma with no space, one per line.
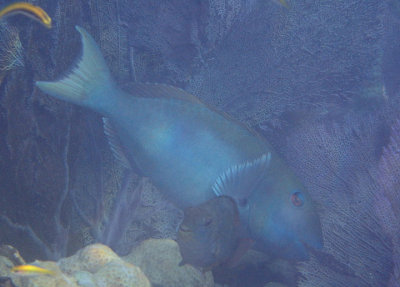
(90,78)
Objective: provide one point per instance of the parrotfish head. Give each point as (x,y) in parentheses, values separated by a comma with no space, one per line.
(283,220)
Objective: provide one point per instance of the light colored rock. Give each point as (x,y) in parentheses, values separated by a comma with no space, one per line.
(159,259)
(84,279)
(91,258)
(93,266)
(121,274)
(5,266)
(97,265)
(57,280)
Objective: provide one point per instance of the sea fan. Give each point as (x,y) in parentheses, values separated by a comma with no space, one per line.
(336,162)
(388,197)
(11,55)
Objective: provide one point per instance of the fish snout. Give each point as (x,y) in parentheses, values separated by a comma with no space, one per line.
(312,238)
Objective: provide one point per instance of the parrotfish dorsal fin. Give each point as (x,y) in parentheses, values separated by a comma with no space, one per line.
(148,90)
(115,145)
(240,180)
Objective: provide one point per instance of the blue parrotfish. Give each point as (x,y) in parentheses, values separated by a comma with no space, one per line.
(209,233)
(193,153)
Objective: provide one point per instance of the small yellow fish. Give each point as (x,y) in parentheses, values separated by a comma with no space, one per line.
(30,270)
(34,12)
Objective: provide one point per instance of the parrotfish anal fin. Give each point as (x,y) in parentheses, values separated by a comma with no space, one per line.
(160,91)
(115,144)
(240,180)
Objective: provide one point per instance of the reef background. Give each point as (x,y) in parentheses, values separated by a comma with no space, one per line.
(320,80)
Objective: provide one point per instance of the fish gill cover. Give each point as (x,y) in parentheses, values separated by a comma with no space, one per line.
(294,73)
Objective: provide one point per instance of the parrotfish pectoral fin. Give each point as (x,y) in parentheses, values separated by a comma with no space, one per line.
(117,149)
(88,78)
(115,144)
(240,180)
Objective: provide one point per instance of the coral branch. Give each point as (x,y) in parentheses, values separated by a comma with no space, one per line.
(61,241)
(125,205)
(30,233)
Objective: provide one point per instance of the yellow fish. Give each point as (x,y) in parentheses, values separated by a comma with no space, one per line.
(34,12)
(30,270)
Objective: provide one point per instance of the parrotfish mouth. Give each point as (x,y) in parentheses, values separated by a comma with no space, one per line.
(298,250)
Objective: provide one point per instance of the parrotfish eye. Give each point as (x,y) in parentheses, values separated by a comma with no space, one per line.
(297,198)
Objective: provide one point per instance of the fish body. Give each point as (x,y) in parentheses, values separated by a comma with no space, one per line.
(209,233)
(34,12)
(30,270)
(193,153)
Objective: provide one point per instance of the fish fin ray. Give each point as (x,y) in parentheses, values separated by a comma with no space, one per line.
(163,91)
(239,181)
(115,144)
(88,74)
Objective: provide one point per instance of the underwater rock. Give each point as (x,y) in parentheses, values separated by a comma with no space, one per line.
(97,265)
(159,259)
(11,253)
(119,273)
(91,259)
(5,266)
(93,266)
(57,280)
(6,282)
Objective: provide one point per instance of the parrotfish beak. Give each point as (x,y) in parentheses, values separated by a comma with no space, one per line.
(299,250)
(310,237)
(291,239)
